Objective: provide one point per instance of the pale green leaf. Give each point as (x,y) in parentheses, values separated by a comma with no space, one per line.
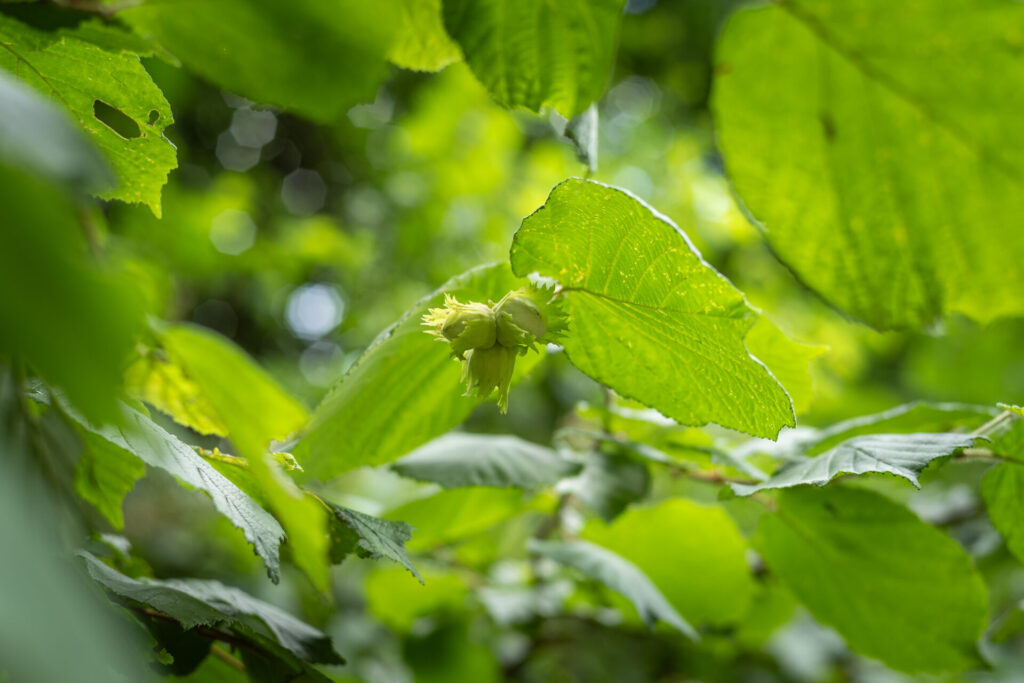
(788,360)
(617,573)
(198,602)
(536,53)
(460,459)
(905,455)
(403,391)
(1002,488)
(693,553)
(422,43)
(77,74)
(894,587)
(648,316)
(105,474)
(144,439)
(256,411)
(37,136)
(399,602)
(457,514)
(368,536)
(879,144)
(166,387)
(311,57)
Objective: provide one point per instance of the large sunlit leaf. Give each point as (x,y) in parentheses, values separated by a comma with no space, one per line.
(197,602)
(460,459)
(905,455)
(871,141)
(311,57)
(693,553)
(617,573)
(534,53)
(78,75)
(648,316)
(403,391)
(142,438)
(855,560)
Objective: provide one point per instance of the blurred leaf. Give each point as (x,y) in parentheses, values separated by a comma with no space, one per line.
(460,459)
(256,411)
(144,439)
(905,455)
(693,553)
(50,294)
(1003,491)
(248,47)
(534,53)
(422,43)
(649,317)
(51,623)
(166,387)
(869,141)
(788,360)
(617,573)
(399,602)
(368,536)
(37,136)
(853,558)
(609,482)
(451,516)
(105,474)
(197,602)
(78,74)
(403,391)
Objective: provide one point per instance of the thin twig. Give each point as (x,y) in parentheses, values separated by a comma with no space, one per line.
(225,656)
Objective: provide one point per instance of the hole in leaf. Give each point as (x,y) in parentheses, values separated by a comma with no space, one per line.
(116,120)
(154,116)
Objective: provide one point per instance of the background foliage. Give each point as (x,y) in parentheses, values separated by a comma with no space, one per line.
(777,439)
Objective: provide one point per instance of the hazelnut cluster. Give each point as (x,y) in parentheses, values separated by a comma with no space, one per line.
(487,338)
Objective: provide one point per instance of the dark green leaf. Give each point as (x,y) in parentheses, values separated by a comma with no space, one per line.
(854,558)
(904,455)
(534,53)
(249,47)
(144,439)
(648,316)
(256,411)
(609,482)
(460,459)
(369,536)
(617,573)
(196,602)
